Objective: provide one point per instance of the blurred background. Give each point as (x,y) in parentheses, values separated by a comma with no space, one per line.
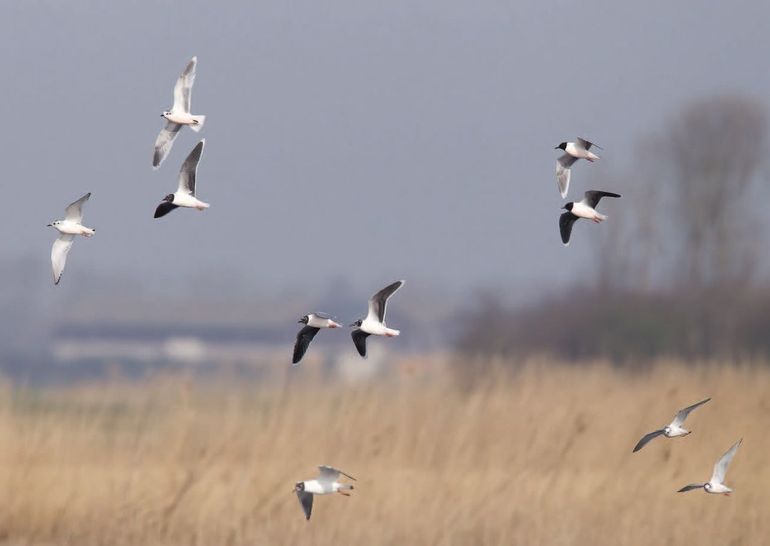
(350,144)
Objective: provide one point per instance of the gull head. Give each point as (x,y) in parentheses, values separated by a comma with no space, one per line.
(169,198)
(562,146)
(299,487)
(303,320)
(165,114)
(357,323)
(568,206)
(54,223)
(707,486)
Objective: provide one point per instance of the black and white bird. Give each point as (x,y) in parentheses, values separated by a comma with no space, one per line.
(179,115)
(185,193)
(572,152)
(374,323)
(673,429)
(325,484)
(716,484)
(582,209)
(68,229)
(313,323)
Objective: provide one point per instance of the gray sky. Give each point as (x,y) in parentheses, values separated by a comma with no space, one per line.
(381,140)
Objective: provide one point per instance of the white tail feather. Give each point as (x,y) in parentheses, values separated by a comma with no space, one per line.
(198,126)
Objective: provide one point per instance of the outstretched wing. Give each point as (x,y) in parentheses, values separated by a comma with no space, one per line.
(306,501)
(164,142)
(720,468)
(586,144)
(379,302)
(189,170)
(359,339)
(592,197)
(691,487)
(563,165)
(74,211)
(566,221)
(61,247)
(646,439)
(183,87)
(304,337)
(164,208)
(683,413)
(330,474)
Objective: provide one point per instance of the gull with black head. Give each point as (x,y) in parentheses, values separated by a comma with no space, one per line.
(582,209)
(313,323)
(572,152)
(374,323)
(185,193)
(325,484)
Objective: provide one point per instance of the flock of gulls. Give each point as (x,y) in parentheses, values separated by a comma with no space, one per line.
(374,323)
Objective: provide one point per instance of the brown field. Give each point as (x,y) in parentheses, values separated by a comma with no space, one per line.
(542,457)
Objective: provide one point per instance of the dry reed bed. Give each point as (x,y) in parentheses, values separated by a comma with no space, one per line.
(543,457)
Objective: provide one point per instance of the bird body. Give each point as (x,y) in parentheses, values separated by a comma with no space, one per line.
(72,228)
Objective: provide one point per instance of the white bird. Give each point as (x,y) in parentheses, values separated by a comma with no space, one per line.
(325,484)
(314,322)
(582,209)
(673,429)
(572,152)
(716,484)
(374,323)
(185,193)
(179,114)
(68,228)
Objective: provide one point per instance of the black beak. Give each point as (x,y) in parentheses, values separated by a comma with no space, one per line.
(300,321)
(49,225)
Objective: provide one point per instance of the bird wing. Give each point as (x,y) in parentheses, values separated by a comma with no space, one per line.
(325,316)
(304,337)
(164,142)
(565,226)
(164,208)
(74,211)
(563,165)
(646,438)
(586,144)
(683,413)
(691,487)
(330,474)
(592,197)
(189,169)
(359,340)
(720,468)
(306,501)
(379,301)
(183,87)
(61,247)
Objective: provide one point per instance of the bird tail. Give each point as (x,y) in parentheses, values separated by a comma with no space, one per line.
(200,120)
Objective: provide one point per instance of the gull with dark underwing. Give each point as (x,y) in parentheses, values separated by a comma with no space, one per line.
(185,193)
(374,323)
(673,429)
(325,484)
(313,323)
(582,209)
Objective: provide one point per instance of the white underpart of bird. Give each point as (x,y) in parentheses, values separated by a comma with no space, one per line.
(313,322)
(572,152)
(326,483)
(716,485)
(674,429)
(582,209)
(184,196)
(68,229)
(374,323)
(179,115)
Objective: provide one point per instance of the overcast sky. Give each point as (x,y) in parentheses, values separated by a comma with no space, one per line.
(375,140)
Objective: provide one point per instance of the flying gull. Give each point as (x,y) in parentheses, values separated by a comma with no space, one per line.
(572,152)
(325,484)
(185,193)
(313,323)
(68,228)
(673,429)
(582,209)
(374,323)
(716,484)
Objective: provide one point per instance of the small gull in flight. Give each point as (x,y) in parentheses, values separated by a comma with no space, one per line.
(313,323)
(374,323)
(325,484)
(572,152)
(68,228)
(179,114)
(673,429)
(185,193)
(582,209)
(716,484)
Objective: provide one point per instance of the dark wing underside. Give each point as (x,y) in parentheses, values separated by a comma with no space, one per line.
(592,197)
(359,339)
(565,226)
(380,299)
(691,487)
(164,208)
(646,438)
(306,501)
(304,337)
